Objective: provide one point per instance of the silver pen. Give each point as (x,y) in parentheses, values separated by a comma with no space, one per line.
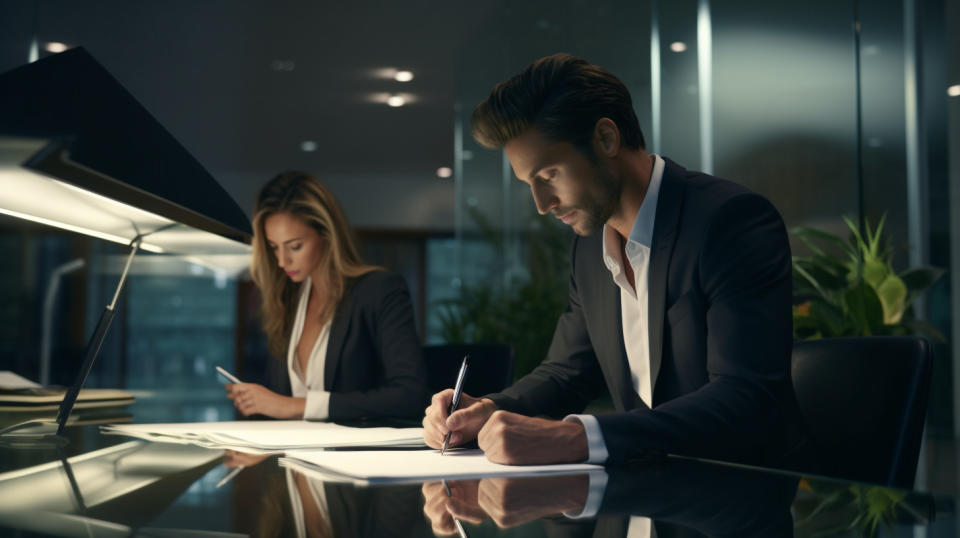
(455,401)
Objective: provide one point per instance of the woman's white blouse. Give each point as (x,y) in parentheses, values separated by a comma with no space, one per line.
(311,384)
(296,502)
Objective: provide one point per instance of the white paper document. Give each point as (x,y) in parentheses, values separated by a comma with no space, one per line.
(270,435)
(11,381)
(409,466)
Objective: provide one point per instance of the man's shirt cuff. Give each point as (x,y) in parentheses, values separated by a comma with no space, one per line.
(596,447)
(317,406)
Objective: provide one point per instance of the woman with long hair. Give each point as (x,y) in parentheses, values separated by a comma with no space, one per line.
(345,329)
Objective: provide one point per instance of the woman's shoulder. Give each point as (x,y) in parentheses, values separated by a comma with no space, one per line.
(376,282)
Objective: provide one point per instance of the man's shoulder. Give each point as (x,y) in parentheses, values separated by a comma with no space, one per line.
(705,195)
(700,187)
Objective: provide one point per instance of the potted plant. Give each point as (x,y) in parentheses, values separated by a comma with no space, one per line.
(849,287)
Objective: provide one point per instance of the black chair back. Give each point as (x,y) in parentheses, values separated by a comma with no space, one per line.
(490,367)
(864,402)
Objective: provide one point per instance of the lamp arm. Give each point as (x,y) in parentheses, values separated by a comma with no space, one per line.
(94,344)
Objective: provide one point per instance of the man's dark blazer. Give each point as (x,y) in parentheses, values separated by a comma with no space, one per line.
(720,329)
(374,365)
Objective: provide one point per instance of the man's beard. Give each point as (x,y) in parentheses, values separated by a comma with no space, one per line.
(597,210)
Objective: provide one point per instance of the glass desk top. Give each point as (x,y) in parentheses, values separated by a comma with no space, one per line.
(103,485)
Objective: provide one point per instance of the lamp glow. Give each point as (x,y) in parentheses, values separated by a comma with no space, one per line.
(954,91)
(444,172)
(678,46)
(403,76)
(78,229)
(396,101)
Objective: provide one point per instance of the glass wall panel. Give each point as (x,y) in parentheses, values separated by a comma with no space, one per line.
(175,321)
(784,106)
(679,104)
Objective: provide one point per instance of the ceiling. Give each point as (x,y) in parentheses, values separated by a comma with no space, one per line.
(243,84)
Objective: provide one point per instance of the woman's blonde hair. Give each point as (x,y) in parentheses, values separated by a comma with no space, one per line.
(304,197)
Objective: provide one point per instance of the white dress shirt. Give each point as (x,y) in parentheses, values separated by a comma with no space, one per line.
(309,384)
(634,314)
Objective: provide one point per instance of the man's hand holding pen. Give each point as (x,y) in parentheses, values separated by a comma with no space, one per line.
(504,437)
(463,424)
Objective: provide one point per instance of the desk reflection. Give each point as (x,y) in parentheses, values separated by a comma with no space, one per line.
(674,499)
(294,504)
(156,489)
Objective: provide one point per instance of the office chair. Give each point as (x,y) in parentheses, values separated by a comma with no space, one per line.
(490,367)
(864,401)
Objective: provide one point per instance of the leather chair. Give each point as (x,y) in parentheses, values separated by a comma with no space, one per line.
(864,402)
(490,367)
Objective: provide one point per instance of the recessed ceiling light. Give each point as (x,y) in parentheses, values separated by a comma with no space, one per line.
(444,172)
(55,47)
(678,46)
(395,101)
(954,91)
(308,146)
(403,76)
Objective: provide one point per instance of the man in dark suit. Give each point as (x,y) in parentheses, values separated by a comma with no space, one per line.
(680,296)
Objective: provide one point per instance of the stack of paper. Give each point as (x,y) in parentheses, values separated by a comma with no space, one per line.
(270,435)
(19,394)
(11,381)
(400,467)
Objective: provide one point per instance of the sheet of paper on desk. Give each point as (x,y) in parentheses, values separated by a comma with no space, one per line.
(12,381)
(409,466)
(270,435)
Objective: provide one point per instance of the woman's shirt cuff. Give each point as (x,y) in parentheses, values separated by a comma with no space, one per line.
(317,406)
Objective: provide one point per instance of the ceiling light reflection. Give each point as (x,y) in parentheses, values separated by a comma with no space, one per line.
(444,172)
(954,91)
(403,76)
(396,101)
(678,46)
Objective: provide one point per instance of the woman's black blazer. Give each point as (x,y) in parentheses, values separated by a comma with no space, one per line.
(374,365)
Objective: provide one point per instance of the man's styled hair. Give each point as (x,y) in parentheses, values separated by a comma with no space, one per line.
(563,97)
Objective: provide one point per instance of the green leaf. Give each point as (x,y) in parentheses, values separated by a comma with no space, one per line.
(875,272)
(859,243)
(874,238)
(829,272)
(918,279)
(892,294)
(810,279)
(831,319)
(864,309)
(805,233)
(831,264)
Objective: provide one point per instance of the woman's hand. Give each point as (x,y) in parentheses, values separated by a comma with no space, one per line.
(254,399)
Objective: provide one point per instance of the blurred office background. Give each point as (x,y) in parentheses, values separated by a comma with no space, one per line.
(830,109)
